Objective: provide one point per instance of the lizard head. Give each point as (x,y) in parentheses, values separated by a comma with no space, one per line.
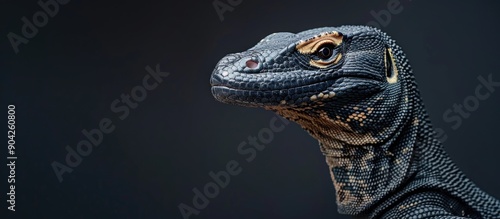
(350,87)
(351,73)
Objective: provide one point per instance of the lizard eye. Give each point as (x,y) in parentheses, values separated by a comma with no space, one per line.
(325,51)
(325,56)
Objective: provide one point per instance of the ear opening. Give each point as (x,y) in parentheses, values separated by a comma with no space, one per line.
(391,70)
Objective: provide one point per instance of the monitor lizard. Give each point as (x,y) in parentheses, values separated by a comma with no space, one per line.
(352,89)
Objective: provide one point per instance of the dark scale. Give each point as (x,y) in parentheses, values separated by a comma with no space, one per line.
(352,89)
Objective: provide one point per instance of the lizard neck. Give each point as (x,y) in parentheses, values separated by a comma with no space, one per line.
(365,175)
(365,167)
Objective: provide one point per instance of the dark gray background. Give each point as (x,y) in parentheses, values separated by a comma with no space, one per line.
(66,77)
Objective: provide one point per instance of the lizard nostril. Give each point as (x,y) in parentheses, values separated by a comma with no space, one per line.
(252,64)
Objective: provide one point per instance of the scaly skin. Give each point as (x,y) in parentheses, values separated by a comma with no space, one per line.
(353,90)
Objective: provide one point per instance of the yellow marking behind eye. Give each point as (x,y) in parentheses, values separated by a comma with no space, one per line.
(394,78)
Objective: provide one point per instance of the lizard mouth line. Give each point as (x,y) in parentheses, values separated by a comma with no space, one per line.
(265,90)
(321,82)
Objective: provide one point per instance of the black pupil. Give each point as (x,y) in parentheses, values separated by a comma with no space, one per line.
(325,52)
